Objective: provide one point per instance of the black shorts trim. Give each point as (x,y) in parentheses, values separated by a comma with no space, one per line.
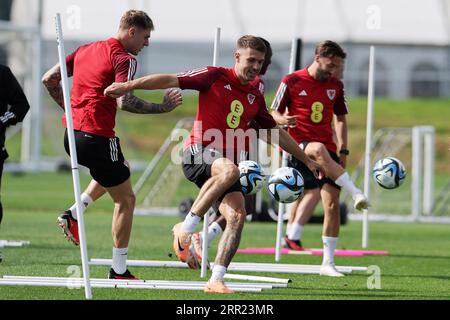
(311,182)
(102,155)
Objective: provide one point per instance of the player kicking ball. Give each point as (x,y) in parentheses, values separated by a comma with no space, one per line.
(306,101)
(227,104)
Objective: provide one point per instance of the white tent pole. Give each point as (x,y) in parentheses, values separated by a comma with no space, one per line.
(73,157)
(204,265)
(282,206)
(368,154)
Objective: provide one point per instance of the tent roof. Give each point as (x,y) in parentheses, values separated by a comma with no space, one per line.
(386,21)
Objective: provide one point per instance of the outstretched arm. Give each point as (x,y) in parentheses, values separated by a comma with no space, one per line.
(150,82)
(131,103)
(283,119)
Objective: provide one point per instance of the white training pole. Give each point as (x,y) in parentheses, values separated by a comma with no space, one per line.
(417,164)
(428,169)
(144,284)
(256,278)
(204,266)
(13,243)
(73,157)
(282,206)
(235,266)
(368,154)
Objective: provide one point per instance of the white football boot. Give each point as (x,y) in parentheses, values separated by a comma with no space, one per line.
(330,270)
(361,202)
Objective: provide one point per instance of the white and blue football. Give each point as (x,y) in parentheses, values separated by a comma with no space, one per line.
(252,177)
(389,173)
(286,185)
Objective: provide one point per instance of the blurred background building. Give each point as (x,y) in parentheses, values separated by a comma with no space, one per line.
(412,36)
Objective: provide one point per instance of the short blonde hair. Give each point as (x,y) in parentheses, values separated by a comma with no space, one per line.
(136,18)
(251,42)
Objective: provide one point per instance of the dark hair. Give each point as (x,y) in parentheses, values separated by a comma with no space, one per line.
(330,49)
(252,42)
(267,58)
(136,18)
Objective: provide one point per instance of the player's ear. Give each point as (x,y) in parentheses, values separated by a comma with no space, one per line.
(131,31)
(316,58)
(237,55)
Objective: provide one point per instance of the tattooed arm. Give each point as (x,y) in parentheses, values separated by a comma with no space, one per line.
(51,81)
(131,103)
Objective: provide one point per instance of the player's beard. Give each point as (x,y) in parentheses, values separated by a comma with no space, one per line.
(322,75)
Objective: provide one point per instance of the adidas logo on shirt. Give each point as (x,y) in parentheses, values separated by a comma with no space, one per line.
(228,87)
(303,93)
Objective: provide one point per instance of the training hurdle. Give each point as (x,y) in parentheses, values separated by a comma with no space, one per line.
(73,283)
(13,243)
(235,266)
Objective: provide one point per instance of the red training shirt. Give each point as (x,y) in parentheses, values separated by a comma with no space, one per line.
(313,103)
(225,106)
(95,66)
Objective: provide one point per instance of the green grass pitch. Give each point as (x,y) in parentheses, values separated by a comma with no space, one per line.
(417,267)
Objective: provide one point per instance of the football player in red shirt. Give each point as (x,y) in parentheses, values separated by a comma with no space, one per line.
(227,104)
(217,226)
(311,96)
(93,67)
(300,214)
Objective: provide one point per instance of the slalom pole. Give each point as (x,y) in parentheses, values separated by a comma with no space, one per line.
(368,154)
(73,157)
(284,160)
(204,265)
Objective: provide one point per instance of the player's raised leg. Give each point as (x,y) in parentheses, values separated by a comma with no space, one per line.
(67,220)
(334,171)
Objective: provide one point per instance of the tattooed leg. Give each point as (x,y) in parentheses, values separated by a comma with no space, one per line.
(233,209)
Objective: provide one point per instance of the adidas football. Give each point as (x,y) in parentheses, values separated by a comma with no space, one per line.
(389,172)
(252,177)
(285,185)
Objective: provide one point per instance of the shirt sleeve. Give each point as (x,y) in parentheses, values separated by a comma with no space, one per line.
(15,97)
(198,79)
(70,62)
(282,97)
(125,68)
(340,106)
(264,118)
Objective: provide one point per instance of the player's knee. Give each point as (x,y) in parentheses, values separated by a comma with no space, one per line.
(331,206)
(131,200)
(127,202)
(318,150)
(229,174)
